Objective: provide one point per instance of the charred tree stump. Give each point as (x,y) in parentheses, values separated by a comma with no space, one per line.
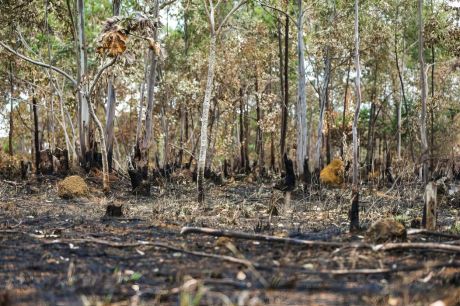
(114,211)
(354,211)
(46,162)
(26,169)
(288,183)
(139,181)
(306,172)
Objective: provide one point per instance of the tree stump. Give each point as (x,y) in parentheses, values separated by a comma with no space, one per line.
(431,206)
(114,211)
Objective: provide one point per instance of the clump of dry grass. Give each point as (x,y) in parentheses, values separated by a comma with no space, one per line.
(72,187)
(332,174)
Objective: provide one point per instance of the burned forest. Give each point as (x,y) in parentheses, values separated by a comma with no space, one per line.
(229,152)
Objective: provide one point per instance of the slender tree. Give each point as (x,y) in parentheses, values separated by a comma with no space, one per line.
(354,211)
(111,101)
(285,103)
(215,30)
(302,154)
(10,133)
(423,87)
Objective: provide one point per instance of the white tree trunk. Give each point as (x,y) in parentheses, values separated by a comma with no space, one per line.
(323,97)
(301,101)
(82,71)
(111,98)
(205,116)
(424,86)
(141,101)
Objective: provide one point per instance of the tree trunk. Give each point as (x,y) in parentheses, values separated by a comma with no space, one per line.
(345,98)
(432,109)
(84,117)
(140,113)
(51,113)
(403,92)
(322,99)
(139,175)
(354,211)
(247,168)
(281,69)
(260,135)
(241,130)
(10,133)
(110,116)
(423,86)
(302,153)
(204,117)
(111,101)
(69,147)
(284,112)
(102,141)
(329,110)
(36,136)
(370,129)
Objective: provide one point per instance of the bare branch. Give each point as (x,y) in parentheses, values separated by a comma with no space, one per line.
(99,73)
(167,3)
(58,70)
(279,11)
(233,10)
(206,8)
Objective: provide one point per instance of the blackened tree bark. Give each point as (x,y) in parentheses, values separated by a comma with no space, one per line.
(285,103)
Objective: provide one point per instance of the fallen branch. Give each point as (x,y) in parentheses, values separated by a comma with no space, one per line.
(314,243)
(344,272)
(429,246)
(259,237)
(414,231)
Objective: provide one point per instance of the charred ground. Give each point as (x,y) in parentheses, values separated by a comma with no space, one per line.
(65,252)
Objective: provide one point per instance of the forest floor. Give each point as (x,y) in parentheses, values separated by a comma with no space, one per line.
(64,252)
